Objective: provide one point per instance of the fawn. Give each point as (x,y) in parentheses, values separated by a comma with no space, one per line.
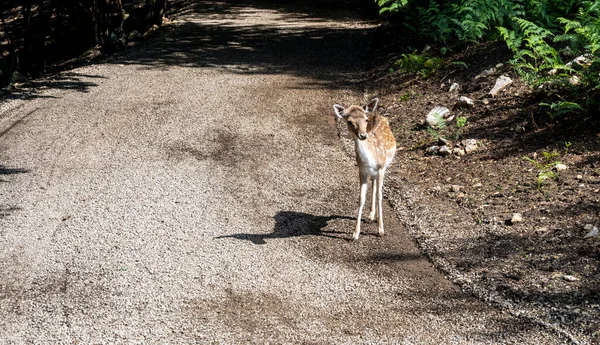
(375,147)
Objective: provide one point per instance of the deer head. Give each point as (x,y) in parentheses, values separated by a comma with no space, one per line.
(357,118)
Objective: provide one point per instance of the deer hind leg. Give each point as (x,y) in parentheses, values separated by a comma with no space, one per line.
(373,214)
(379,201)
(364,179)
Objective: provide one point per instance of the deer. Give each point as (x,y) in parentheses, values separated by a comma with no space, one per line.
(375,148)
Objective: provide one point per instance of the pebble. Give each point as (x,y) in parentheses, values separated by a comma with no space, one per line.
(470,145)
(570,278)
(432,150)
(455,188)
(516,218)
(560,167)
(431,118)
(464,102)
(501,83)
(454,87)
(486,73)
(592,233)
(579,177)
(477,185)
(444,151)
(458,151)
(588,227)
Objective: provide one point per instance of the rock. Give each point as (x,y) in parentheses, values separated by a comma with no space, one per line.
(519,129)
(454,87)
(444,151)
(432,150)
(588,227)
(592,233)
(560,167)
(464,102)
(134,35)
(570,278)
(516,218)
(501,83)
(477,185)
(470,145)
(458,151)
(460,195)
(582,60)
(432,119)
(485,73)
(579,177)
(17,78)
(455,188)
(574,80)
(500,65)
(444,141)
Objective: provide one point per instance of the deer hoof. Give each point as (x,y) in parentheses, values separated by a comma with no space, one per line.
(372,216)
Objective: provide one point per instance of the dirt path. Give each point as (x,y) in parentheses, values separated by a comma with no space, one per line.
(194,191)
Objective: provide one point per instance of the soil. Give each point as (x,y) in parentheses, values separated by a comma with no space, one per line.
(459,208)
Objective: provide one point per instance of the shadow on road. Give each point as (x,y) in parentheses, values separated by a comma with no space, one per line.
(294,224)
(40,88)
(234,37)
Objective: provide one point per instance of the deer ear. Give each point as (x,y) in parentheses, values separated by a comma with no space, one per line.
(371,106)
(338,110)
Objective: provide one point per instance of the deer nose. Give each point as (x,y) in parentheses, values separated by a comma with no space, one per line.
(362,136)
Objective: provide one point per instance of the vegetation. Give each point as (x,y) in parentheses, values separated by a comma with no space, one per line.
(34,33)
(555,43)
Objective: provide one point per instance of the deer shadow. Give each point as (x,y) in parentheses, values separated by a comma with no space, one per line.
(295,224)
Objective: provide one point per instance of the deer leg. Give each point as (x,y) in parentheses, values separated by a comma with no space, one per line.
(373,214)
(379,201)
(364,179)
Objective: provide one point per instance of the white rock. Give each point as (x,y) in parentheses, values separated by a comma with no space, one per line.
(486,73)
(433,150)
(455,188)
(444,151)
(470,145)
(501,83)
(592,233)
(570,278)
(477,185)
(500,65)
(458,151)
(454,87)
(431,117)
(464,102)
(560,167)
(516,218)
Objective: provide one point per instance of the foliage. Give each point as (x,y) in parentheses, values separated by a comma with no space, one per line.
(422,64)
(461,122)
(391,5)
(543,36)
(562,108)
(545,168)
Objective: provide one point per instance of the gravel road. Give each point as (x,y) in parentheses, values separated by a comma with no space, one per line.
(193,190)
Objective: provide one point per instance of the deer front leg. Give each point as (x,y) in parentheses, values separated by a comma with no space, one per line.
(379,201)
(364,179)
(374,198)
